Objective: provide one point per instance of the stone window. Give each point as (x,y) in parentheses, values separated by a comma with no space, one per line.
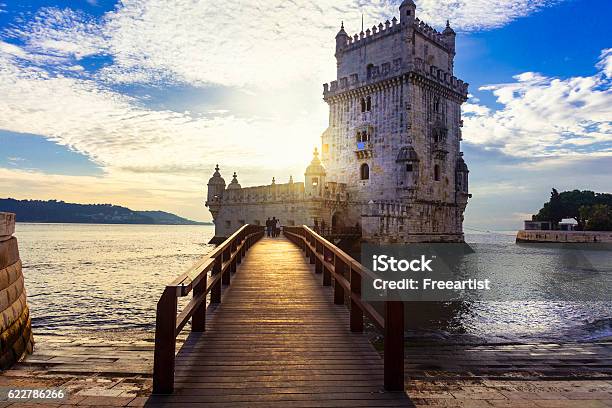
(437,172)
(366,104)
(386,68)
(409,167)
(363,136)
(364,172)
(315,181)
(325,148)
(437,105)
(228,223)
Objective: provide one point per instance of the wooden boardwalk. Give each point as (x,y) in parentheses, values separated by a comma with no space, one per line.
(278,340)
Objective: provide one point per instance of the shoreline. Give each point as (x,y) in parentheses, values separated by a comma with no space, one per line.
(421,338)
(564,237)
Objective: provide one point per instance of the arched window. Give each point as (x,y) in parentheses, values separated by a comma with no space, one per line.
(368,104)
(363,105)
(437,105)
(364,171)
(437,172)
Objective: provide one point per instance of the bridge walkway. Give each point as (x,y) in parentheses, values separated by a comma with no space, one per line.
(278,340)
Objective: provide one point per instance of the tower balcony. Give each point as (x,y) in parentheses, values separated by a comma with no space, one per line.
(363,150)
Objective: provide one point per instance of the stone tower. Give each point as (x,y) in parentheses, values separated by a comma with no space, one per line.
(395,130)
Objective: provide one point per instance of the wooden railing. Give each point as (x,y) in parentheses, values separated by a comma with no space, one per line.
(347,275)
(221,263)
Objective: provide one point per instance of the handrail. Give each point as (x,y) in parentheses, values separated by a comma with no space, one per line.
(221,263)
(347,275)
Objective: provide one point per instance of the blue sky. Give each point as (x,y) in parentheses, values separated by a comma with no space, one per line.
(135,103)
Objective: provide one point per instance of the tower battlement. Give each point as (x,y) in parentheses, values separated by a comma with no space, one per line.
(387,28)
(392,49)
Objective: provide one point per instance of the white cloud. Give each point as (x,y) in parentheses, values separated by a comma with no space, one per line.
(468,15)
(60,33)
(605,62)
(265,43)
(118,133)
(546,116)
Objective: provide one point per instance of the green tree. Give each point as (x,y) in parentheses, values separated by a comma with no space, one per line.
(568,204)
(598,217)
(552,210)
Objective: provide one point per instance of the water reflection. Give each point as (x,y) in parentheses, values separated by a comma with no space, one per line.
(545,293)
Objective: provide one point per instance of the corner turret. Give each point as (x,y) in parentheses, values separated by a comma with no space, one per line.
(234,190)
(449,36)
(234,183)
(461,176)
(342,40)
(315,176)
(407,12)
(216,187)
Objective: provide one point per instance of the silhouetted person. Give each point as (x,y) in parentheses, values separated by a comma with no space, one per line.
(277,228)
(269,227)
(273,226)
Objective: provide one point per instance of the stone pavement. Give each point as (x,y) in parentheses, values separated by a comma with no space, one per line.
(117,373)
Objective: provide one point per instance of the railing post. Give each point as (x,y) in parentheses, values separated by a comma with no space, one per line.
(318,263)
(233,263)
(356,312)
(303,240)
(215,291)
(339,267)
(227,253)
(311,252)
(165,343)
(239,248)
(198,320)
(329,256)
(394,346)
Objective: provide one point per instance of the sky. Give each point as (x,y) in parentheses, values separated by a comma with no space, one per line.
(134,102)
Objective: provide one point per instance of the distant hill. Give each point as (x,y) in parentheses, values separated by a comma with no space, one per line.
(54,211)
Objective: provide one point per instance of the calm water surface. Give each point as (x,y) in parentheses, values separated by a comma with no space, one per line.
(103,277)
(108,278)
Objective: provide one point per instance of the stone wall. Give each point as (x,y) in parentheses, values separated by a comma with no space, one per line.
(15,325)
(564,236)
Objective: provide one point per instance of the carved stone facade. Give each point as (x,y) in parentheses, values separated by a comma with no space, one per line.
(392,148)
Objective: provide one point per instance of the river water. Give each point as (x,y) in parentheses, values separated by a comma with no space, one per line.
(106,279)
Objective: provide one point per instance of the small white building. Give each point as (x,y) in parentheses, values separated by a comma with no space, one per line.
(568,224)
